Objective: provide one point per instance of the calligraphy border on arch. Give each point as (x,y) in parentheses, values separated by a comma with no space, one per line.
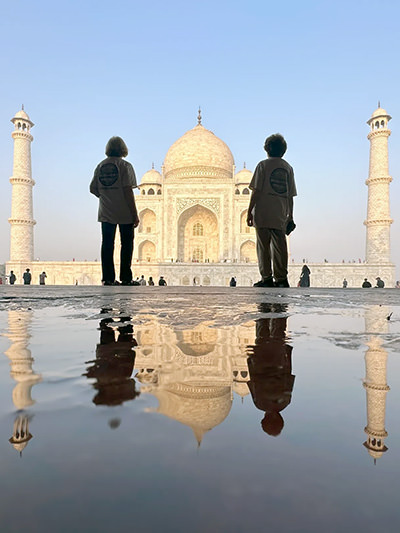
(210,203)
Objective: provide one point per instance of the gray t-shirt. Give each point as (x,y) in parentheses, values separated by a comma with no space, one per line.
(110,177)
(273,178)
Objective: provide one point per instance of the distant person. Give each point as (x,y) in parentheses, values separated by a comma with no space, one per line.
(366,284)
(27,277)
(162,282)
(379,283)
(42,278)
(151,281)
(142,281)
(12,278)
(397,286)
(112,183)
(232,283)
(271,212)
(270,368)
(305,277)
(345,283)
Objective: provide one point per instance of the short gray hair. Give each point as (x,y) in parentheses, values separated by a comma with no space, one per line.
(116,147)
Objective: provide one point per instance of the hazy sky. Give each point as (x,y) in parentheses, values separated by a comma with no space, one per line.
(312,70)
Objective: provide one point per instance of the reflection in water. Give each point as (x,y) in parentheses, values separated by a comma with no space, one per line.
(21,361)
(113,366)
(375,384)
(194,372)
(270,366)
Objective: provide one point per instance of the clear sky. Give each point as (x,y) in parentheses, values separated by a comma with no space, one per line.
(311,70)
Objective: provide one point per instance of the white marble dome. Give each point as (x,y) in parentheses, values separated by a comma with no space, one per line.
(151,177)
(22,114)
(243,177)
(198,153)
(379,112)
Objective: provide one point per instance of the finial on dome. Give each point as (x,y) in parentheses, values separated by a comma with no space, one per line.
(199,116)
(152,165)
(379,103)
(244,164)
(23,107)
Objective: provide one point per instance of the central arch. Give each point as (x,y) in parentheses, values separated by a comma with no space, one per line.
(198,238)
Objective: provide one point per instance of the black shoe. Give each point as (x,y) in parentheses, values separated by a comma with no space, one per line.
(282,284)
(127,283)
(266,282)
(111,283)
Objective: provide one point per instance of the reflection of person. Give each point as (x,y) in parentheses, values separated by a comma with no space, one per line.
(270,210)
(112,183)
(305,277)
(27,276)
(13,277)
(270,368)
(113,366)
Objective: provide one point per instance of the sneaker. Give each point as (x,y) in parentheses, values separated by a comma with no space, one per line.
(282,284)
(266,282)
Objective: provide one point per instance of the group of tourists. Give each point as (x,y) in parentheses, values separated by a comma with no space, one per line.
(27,277)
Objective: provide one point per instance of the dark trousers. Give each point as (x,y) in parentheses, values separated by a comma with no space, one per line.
(272,252)
(126,232)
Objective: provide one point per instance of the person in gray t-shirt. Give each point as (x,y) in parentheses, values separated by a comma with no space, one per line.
(112,183)
(271,212)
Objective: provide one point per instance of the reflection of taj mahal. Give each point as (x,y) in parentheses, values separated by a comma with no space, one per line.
(193,218)
(192,373)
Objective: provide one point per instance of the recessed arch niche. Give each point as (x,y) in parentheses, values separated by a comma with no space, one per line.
(195,245)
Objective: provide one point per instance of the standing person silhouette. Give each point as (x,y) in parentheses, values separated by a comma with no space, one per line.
(271,212)
(112,183)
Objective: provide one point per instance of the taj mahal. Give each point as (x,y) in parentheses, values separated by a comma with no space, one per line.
(193,218)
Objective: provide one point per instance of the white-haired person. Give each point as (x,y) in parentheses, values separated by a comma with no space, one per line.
(113,183)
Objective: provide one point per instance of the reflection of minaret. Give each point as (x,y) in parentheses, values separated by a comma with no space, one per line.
(21,244)
(21,362)
(375,381)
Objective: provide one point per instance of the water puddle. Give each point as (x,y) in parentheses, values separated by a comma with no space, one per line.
(175,415)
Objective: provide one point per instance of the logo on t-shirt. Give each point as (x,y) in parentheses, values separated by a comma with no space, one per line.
(108,174)
(278,180)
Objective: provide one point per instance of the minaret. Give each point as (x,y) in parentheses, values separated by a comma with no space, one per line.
(375,382)
(378,211)
(21,243)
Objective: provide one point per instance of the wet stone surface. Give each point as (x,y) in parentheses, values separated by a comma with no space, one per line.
(199,409)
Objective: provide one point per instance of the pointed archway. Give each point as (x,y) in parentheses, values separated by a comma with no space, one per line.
(198,237)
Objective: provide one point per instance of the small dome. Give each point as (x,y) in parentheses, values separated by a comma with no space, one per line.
(152,177)
(199,153)
(243,176)
(22,114)
(379,112)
